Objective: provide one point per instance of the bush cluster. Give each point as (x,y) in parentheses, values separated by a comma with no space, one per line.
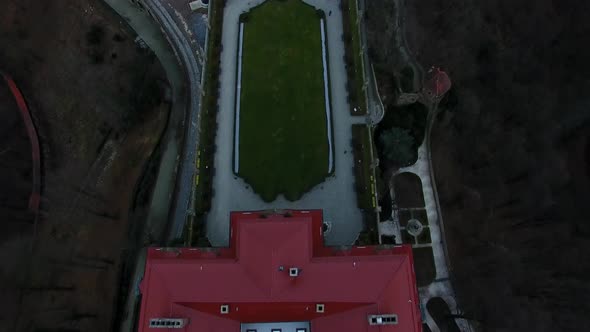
(209,110)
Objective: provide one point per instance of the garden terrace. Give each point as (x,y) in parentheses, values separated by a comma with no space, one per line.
(365,184)
(282,135)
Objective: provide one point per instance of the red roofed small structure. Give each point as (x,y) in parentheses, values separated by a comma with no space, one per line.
(437,83)
(277,275)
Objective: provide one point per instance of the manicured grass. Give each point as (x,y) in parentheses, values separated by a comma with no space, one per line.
(283,139)
(358,60)
(408,190)
(365,184)
(353,58)
(424,266)
(421,215)
(442,315)
(209,106)
(194,231)
(424,237)
(407,238)
(406,215)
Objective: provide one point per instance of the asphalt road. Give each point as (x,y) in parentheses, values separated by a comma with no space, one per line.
(150,32)
(186,170)
(375,106)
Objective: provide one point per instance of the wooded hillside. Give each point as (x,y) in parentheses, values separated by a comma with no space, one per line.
(511,153)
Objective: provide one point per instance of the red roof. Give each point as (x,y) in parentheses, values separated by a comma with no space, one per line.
(351,282)
(437,82)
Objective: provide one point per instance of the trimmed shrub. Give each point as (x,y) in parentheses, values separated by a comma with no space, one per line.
(321,14)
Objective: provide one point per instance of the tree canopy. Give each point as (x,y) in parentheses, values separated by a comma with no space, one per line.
(397,146)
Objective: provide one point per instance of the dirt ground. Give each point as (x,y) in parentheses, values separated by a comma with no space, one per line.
(97,102)
(408,191)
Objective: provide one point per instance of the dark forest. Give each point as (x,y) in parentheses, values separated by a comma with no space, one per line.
(511,152)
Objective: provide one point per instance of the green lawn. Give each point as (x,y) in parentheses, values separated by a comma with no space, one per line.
(353,58)
(283,140)
(358,60)
(206,149)
(365,184)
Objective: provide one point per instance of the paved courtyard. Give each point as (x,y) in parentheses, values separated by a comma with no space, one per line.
(336,196)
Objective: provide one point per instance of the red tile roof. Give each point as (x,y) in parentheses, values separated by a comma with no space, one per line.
(351,282)
(437,82)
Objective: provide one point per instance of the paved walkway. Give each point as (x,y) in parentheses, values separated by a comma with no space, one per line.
(336,196)
(422,169)
(441,286)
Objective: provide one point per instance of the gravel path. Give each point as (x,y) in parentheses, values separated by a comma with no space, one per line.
(441,286)
(336,196)
(422,169)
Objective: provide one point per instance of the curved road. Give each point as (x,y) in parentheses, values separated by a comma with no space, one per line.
(175,178)
(184,181)
(160,33)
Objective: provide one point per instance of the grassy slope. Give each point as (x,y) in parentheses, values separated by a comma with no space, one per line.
(358,60)
(363,172)
(353,58)
(283,138)
(209,108)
